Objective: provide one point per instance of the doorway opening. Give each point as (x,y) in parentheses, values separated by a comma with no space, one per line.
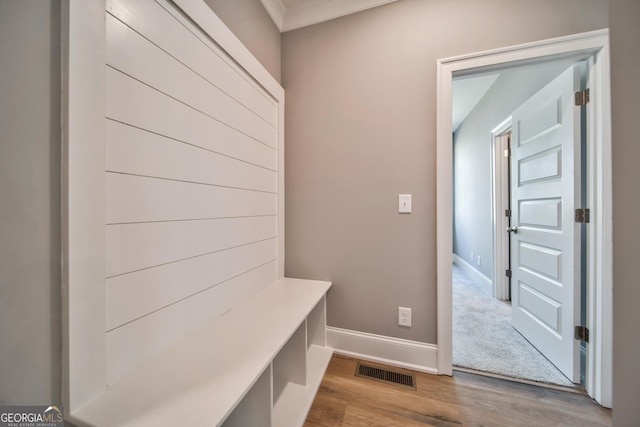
(592,47)
(520,340)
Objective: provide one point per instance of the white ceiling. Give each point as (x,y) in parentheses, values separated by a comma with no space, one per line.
(292,14)
(466,93)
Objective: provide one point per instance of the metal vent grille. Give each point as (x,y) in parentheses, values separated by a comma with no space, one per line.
(386,376)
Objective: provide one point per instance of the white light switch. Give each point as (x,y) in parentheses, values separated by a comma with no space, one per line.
(404,203)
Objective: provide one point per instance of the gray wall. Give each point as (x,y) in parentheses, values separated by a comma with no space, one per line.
(251,23)
(360,128)
(625,97)
(472,220)
(30,325)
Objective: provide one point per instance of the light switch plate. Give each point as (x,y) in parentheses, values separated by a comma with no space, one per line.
(404,203)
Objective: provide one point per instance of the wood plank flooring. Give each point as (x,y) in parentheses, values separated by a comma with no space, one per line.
(462,400)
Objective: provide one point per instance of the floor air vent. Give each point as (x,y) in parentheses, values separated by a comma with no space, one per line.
(386,376)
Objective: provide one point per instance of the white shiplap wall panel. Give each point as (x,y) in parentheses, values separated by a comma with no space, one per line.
(207,59)
(192,165)
(141,199)
(167,75)
(171,159)
(133,343)
(192,184)
(132,102)
(132,247)
(132,296)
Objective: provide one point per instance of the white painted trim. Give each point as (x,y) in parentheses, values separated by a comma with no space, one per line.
(391,351)
(276,11)
(224,37)
(499,174)
(444,218)
(594,43)
(564,47)
(281,195)
(314,12)
(477,276)
(83,202)
(600,241)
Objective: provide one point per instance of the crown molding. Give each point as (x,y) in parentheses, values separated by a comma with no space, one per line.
(315,11)
(276,11)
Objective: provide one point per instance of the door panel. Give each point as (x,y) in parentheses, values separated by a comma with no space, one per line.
(545,166)
(540,260)
(544,119)
(545,213)
(545,249)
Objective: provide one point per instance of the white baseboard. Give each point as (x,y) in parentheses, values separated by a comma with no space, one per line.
(377,348)
(486,285)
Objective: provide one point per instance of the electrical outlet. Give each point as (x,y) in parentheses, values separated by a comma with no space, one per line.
(472,256)
(404,316)
(479,260)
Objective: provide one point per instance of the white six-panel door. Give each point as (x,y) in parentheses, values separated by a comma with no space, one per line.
(545,248)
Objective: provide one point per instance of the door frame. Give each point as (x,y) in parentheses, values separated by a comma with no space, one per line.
(593,44)
(500,196)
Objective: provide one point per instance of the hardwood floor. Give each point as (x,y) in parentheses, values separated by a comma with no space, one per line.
(462,400)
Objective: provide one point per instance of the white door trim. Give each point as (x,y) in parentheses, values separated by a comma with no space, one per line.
(581,46)
(500,196)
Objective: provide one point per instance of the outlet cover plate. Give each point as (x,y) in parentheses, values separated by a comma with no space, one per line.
(404,316)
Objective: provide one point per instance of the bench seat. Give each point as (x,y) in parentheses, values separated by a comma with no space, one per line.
(259,363)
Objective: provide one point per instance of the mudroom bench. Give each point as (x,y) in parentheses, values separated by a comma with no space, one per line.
(258,364)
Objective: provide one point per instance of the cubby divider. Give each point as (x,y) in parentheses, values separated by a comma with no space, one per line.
(295,387)
(290,364)
(316,325)
(255,407)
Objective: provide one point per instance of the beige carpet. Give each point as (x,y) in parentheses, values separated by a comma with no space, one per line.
(484,340)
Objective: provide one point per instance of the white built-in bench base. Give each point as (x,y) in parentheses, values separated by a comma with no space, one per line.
(259,364)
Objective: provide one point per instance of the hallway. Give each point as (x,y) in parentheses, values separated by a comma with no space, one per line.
(484,340)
